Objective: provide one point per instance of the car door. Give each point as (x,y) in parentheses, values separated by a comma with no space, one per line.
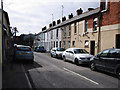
(71,55)
(100,59)
(111,62)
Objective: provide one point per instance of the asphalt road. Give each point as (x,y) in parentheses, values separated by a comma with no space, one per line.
(47,72)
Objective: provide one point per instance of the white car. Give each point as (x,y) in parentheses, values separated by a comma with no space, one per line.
(77,55)
(57,52)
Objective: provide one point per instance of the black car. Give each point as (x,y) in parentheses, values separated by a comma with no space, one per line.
(108,60)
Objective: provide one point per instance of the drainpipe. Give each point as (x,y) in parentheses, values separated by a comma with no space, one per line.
(99,33)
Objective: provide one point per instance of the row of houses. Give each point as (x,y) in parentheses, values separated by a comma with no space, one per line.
(94,30)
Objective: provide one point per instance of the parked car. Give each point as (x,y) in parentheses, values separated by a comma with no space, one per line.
(108,60)
(22,52)
(35,48)
(57,52)
(77,55)
(40,49)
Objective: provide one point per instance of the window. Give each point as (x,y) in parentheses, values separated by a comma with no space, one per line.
(68,44)
(64,44)
(56,43)
(104,7)
(86,43)
(94,24)
(75,27)
(64,31)
(105,53)
(114,54)
(86,25)
(69,30)
(60,44)
(73,43)
(51,34)
(57,34)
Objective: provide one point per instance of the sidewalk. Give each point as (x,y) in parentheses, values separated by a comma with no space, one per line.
(13,75)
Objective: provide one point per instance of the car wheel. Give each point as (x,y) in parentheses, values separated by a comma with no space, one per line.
(64,59)
(56,56)
(76,61)
(92,66)
(118,73)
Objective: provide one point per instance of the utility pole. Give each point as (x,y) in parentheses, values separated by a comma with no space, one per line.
(62,10)
(3,48)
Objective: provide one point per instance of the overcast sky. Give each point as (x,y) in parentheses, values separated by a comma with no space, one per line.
(30,16)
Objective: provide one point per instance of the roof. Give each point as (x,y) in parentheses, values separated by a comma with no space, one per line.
(76,18)
(6,15)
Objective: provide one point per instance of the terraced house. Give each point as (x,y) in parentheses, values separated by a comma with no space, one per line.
(7,36)
(94,30)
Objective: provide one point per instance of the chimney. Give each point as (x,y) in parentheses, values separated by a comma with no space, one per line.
(89,9)
(54,23)
(50,25)
(63,19)
(44,28)
(58,21)
(79,11)
(70,16)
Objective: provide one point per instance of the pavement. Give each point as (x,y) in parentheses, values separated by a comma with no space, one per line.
(14,75)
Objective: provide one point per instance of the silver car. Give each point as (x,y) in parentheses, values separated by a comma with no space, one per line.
(57,52)
(22,52)
(77,55)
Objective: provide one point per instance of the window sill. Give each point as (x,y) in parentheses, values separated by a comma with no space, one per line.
(104,11)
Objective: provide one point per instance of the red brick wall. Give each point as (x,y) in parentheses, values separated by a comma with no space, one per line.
(112,15)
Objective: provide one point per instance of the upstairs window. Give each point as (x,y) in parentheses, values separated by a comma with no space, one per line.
(94,24)
(64,31)
(104,7)
(51,34)
(75,27)
(86,25)
(57,34)
(69,33)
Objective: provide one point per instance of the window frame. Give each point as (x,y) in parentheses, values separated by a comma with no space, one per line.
(75,28)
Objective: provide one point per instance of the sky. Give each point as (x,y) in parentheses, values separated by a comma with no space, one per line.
(30,16)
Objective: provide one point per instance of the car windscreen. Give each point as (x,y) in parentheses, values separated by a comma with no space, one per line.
(23,49)
(78,51)
(60,49)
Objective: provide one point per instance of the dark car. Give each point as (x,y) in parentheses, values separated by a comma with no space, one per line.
(108,60)
(40,49)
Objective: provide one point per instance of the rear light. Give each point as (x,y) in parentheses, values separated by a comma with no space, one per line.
(30,49)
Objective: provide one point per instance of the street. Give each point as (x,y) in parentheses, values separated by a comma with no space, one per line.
(48,72)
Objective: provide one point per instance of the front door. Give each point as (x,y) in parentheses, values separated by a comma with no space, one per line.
(118,41)
(92,48)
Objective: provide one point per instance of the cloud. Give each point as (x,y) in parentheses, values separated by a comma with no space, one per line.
(32,15)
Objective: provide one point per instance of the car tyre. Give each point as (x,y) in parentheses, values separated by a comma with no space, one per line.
(92,66)
(76,61)
(118,73)
(64,59)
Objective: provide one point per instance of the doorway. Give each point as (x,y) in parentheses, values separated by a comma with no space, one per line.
(92,47)
(118,41)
